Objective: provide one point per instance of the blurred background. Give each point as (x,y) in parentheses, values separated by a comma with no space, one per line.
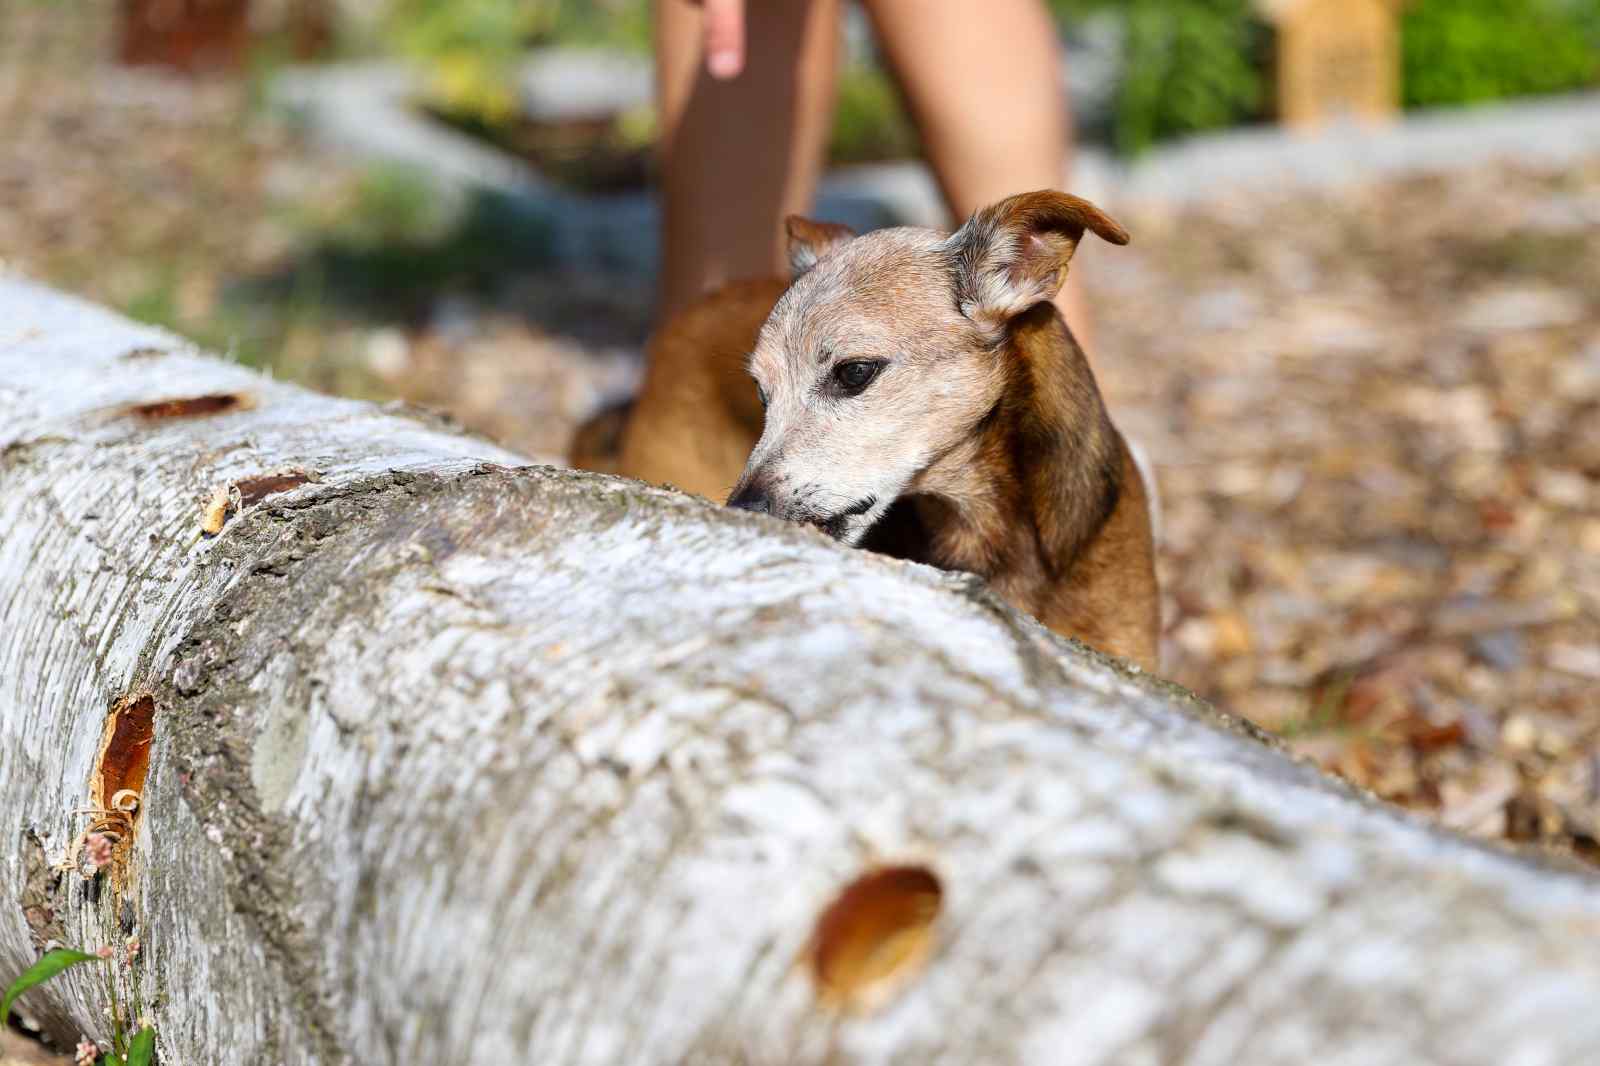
(1358,328)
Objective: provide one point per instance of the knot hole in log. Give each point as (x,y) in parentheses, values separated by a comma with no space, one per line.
(214,403)
(875,936)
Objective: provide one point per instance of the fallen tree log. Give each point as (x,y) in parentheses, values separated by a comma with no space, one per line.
(444,758)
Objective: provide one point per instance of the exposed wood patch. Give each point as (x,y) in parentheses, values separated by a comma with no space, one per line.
(116,789)
(211,403)
(260,486)
(231,497)
(124,752)
(875,936)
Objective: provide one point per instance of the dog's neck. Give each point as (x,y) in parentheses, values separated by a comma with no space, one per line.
(1040,475)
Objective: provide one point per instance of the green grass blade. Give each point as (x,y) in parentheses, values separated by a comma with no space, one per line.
(142,1048)
(40,972)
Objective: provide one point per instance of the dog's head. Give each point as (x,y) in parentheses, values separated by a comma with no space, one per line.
(888,351)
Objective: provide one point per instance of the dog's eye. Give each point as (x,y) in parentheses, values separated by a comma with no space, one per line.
(761,394)
(856,375)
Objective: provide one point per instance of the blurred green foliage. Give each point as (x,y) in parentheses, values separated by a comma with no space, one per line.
(380,251)
(390,204)
(623,24)
(870,123)
(1188,65)
(1192,65)
(470,48)
(393,241)
(1467,51)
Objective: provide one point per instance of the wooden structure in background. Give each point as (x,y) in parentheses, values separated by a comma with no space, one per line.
(1336,59)
(212,35)
(191,35)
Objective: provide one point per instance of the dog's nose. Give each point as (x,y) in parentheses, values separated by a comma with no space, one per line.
(751,498)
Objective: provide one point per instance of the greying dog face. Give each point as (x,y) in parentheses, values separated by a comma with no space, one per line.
(887,353)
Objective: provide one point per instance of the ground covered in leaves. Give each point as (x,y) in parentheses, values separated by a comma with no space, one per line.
(1376,415)
(1375,412)
(190,203)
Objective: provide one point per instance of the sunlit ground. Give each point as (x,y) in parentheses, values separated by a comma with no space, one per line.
(1373,412)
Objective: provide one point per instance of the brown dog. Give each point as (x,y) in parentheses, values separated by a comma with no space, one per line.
(924,398)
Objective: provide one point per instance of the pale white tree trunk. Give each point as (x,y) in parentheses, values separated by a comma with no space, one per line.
(460,760)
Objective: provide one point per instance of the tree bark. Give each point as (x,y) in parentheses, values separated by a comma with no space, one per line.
(461,760)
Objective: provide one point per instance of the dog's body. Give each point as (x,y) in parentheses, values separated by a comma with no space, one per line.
(697,414)
(925,399)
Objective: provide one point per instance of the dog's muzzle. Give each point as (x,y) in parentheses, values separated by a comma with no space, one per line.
(750,498)
(834,525)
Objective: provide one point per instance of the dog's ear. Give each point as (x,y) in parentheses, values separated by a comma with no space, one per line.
(1013,255)
(810,240)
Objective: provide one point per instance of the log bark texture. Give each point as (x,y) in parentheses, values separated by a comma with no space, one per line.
(462,760)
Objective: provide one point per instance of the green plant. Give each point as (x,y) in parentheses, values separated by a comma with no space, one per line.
(468,48)
(389,204)
(135,1050)
(1188,66)
(40,972)
(141,1050)
(1466,51)
(869,123)
(621,24)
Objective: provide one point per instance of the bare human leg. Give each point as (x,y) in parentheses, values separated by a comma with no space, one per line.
(739,154)
(983,82)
